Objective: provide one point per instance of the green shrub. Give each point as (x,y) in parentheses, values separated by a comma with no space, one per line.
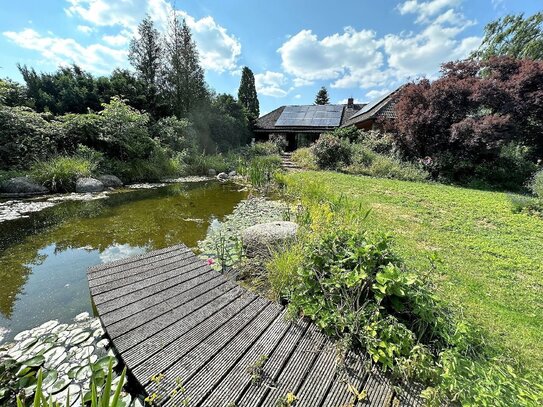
(60,173)
(377,141)
(176,134)
(280,142)
(536,184)
(200,164)
(282,270)
(259,149)
(27,136)
(368,162)
(260,171)
(350,133)
(304,158)
(331,152)
(160,164)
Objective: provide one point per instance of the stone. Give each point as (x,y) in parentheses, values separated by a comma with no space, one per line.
(223,176)
(110,181)
(88,185)
(260,240)
(22,186)
(232,174)
(211,172)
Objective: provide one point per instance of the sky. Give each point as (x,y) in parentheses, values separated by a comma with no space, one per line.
(360,49)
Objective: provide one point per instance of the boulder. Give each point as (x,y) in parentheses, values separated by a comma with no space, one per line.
(83,185)
(110,181)
(211,172)
(260,240)
(232,173)
(223,176)
(22,185)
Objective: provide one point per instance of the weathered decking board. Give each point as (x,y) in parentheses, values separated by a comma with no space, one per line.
(167,312)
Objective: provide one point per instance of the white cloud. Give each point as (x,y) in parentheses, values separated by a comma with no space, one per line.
(360,59)
(85,29)
(298,96)
(118,40)
(376,94)
(97,58)
(271,84)
(219,50)
(426,9)
(347,55)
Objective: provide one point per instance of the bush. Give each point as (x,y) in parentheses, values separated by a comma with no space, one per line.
(368,162)
(260,171)
(331,152)
(536,184)
(350,133)
(379,142)
(60,173)
(176,134)
(259,149)
(304,158)
(27,136)
(200,164)
(280,142)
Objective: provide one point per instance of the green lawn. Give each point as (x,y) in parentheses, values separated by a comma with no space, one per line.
(492,259)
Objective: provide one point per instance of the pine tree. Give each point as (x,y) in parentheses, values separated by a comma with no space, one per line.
(322,97)
(185,80)
(146,55)
(247,95)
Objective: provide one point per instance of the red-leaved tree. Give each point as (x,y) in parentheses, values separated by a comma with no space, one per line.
(472,111)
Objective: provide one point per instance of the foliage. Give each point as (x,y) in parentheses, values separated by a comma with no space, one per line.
(489,256)
(354,286)
(350,133)
(322,97)
(282,269)
(96,398)
(280,142)
(514,36)
(304,158)
(536,184)
(469,114)
(200,164)
(247,96)
(12,93)
(367,162)
(184,79)
(260,171)
(26,136)
(59,174)
(146,56)
(331,152)
(82,129)
(176,134)
(124,131)
(260,149)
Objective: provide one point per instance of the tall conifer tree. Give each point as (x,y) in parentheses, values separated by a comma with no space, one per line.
(322,97)
(247,95)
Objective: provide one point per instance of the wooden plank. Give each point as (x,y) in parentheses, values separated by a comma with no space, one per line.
(274,365)
(181,295)
(314,389)
(351,372)
(238,377)
(208,373)
(206,347)
(147,269)
(155,319)
(162,275)
(295,371)
(160,361)
(378,389)
(144,341)
(114,266)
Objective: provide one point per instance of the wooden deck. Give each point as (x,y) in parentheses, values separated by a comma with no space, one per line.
(168,313)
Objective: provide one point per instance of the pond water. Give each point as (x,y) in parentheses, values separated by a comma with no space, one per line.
(44,258)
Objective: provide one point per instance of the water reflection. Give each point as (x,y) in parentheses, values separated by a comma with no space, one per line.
(44,258)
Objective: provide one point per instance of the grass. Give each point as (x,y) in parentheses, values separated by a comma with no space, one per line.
(491,258)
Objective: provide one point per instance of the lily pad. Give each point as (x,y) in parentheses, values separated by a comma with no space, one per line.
(61,383)
(103,343)
(23,371)
(72,372)
(27,343)
(59,328)
(83,373)
(49,325)
(96,324)
(85,352)
(36,361)
(22,335)
(77,339)
(50,379)
(56,353)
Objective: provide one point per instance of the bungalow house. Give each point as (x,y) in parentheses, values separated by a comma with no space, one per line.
(301,125)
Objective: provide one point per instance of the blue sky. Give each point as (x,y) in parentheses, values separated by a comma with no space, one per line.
(357,49)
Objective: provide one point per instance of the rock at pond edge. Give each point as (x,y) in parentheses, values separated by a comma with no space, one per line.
(259,240)
(88,185)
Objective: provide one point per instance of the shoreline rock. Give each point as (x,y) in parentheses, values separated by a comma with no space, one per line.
(22,186)
(83,185)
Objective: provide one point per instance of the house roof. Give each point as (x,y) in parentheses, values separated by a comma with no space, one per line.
(267,123)
(381,108)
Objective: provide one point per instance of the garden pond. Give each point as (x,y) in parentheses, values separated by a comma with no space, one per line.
(44,256)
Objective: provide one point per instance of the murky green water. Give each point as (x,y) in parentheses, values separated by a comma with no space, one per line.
(44,258)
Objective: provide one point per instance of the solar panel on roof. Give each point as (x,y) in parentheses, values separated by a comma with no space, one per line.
(311,116)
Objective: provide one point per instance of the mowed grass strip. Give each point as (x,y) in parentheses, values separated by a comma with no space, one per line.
(492,259)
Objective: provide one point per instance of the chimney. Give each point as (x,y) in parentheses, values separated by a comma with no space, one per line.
(350,102)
